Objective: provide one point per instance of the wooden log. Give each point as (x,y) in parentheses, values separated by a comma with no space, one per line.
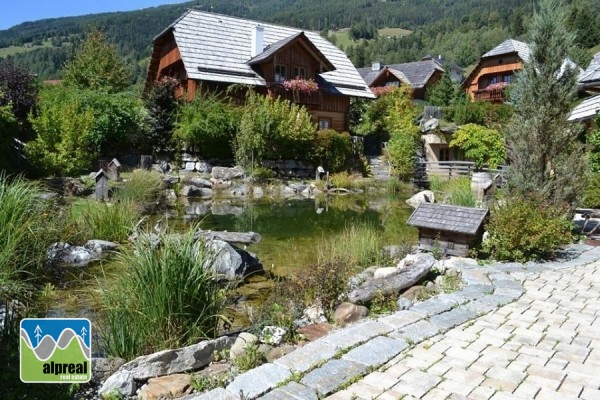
(230,237)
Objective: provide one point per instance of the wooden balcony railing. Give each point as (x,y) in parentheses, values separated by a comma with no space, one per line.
(454,169)
(490,95)
(307,99)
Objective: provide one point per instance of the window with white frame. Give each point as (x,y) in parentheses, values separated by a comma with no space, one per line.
(324,123)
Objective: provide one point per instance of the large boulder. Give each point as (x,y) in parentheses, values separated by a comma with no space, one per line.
(365,286)
(227,174)
(229,262)
(346,313)
(100,246)
(103,368)
(64,253)
(424,196)
(167,362)
(121,381)
(197,182)
(195,191)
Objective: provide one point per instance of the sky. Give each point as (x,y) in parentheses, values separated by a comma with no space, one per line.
(14,12)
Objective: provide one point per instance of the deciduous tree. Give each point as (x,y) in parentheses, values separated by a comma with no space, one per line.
(97,65)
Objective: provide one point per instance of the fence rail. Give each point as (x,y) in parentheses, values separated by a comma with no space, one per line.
(453,169)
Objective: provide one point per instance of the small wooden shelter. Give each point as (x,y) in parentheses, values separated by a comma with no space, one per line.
(114,170)
(453,229)
(101,185)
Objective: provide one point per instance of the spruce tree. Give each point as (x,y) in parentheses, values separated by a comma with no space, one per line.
(545,154)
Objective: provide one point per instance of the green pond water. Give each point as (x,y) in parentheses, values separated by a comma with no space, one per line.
(292,232)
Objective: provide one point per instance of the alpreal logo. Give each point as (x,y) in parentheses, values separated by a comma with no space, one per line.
(55,350)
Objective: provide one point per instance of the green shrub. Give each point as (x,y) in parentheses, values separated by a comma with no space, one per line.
(262,174)
(591,196)
(341,180)
(165,298)
(142,187)
(481,145)
(527,229)
(207,125)
(331,149)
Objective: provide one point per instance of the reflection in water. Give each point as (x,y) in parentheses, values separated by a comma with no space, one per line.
(292,229)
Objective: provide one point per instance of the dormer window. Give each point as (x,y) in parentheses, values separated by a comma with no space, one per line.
(280,73)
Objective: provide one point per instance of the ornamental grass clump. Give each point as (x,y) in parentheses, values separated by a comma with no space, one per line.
(112,222)
(165,298)
(356,245)
(142,187)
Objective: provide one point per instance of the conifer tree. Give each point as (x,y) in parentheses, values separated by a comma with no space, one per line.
(545,154)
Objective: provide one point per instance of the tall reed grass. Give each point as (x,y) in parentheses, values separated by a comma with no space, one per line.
(167,297)
(455,191)
(357,245)
(104,221)
(25,224)
(142,187)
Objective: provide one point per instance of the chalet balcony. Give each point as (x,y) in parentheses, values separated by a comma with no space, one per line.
(494,92)
(309,100)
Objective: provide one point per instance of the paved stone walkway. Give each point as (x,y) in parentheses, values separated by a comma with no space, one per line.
(514,332)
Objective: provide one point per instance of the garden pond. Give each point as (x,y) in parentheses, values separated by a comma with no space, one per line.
(292,231)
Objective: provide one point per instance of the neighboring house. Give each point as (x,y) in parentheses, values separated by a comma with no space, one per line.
(587,111)
(456,72)
(419,75)
(209,52)
(589,80)
(495,71)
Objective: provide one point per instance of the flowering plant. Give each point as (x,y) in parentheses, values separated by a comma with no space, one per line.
(381,90)
(301,85)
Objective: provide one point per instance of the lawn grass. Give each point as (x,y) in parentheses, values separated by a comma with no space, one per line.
(343,39)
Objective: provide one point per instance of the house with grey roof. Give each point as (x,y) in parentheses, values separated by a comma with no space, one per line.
(586,111)
(496,70)
(209,52)
(453,230)
(419,75)
(589,79)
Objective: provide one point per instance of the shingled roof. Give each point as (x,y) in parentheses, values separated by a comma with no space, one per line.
(442,217)
(591,75)
(588,109)
(217,48)
(510,46)
(416,74)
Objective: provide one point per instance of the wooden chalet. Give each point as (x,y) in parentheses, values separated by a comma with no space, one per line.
(495,71)
(419,75)
(209,52)
(589,79)
(453,229)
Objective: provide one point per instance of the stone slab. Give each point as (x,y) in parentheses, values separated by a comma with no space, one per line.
(215,394)
(376,351)
(452,318)
(291,391)
(433,306)
(333,375)
(416,332)
(306,357)
(259,380)
(358,333)
(402,318)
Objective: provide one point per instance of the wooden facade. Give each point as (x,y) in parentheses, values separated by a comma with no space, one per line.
(299,58)
(489,72)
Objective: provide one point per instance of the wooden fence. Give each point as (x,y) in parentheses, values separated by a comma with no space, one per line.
(454,169)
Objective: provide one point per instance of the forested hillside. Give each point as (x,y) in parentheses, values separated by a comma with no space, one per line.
(461,30)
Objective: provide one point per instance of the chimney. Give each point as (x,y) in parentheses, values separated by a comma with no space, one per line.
(376,66)
(258,40)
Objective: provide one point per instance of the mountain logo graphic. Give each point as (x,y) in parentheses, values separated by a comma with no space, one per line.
(56,350)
